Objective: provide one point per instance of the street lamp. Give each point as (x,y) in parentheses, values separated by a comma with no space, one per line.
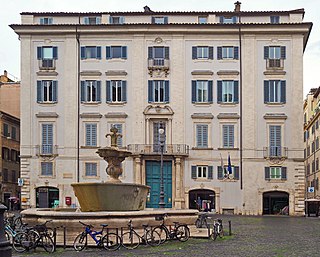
(162,139)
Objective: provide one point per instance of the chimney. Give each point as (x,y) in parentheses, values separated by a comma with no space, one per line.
(237,6)
(5,73)
(147,9)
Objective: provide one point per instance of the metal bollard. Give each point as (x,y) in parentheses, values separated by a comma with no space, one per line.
(55,237)
(64,237)
(5,248)
(230,233)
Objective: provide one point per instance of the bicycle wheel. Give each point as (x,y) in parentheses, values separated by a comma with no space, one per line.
(220,230)
(21,242)
(8,237)
(198,223)
(214,233)
(47,243)
(50,232)
(130,240)
(17,223)
(162,232)
(111,242)
(80,242)
(182,233)
(153,238)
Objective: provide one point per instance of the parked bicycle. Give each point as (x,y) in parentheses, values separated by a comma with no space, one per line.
(132,239)
(178,231)
(217,229)
(202,221)
(10,234)
(43,228)
(110,241)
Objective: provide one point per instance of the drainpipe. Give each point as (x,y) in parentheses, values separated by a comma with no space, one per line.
(78,104)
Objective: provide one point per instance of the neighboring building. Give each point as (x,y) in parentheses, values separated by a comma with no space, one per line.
(311,139)
(218,83)
(9,140)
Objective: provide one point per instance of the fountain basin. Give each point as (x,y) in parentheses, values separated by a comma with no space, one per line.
(110,196)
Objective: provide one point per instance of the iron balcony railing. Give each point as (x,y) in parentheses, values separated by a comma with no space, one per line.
(47,150)
(275,152)
(155,149)
(158,63)
(47,64)
(275,64)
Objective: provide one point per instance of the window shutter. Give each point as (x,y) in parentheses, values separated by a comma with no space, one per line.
(153,20)
(220,172)
(41,20)
(54,90)
(283,173)
(94,134)
(236,172)
(166,53)
(39,91)
(193,172)
(83,91)
(150,52)
(283,91)
(55,52)
(122,20)
(166,91)
(165,20)
(266,52)
(86,20)
(219,89)
(210,94)
(111,20)
(83,52)
(88,134)
(219,53)
(108,91)
(210,172)
(194,52)
(124,52)
(108,52)
(225,135)
(98,52)
(234,19)
(210,52)
(150,91)
(50,20)
(221,19)
(124,90)
(236,52)
(267,173)
(98,20)
(194,91)
(236,91)
(39,52)
(266,91)
(283,52)
(98,83)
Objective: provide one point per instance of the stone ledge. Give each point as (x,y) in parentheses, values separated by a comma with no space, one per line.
(47,115)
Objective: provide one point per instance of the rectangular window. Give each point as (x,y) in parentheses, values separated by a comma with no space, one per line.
(274,91)
(228,52)
(228,20)
(90,91)
(275,141)
(116,52)
(5,177)
(91,134)
(158,91)
(47,91)
(202,135)
(158,55)
(228,136)
(118,126)
(202,52)
(91,169)
(92,20)
(274,55)
(6,132)
(13,133)
(204,172)
(13,176)
(5,153)
(224,173)
(228,91)
(275,173)
(116,91)
(47,56)
(46,168)
(202,19)
(46,20)
(274,19)
(159,20)
(202,91)
(116,20)
(90,52)
(47,139)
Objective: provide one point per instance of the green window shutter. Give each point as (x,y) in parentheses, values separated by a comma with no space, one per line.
(236,172)
(210,172)
(220,173)
(193,172)
(267,173)
(284,173)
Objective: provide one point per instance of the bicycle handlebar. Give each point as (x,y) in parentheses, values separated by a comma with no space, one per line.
(86,225)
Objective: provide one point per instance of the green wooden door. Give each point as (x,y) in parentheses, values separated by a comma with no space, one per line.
(153,180)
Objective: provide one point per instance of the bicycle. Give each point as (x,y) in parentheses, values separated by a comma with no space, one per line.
(110,241)
(131,239)
(42,228)
(10,234)
(179,231)
(202,221)
(217,229)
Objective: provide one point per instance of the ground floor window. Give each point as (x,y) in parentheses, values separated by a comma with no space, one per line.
(202,199)
(47,197)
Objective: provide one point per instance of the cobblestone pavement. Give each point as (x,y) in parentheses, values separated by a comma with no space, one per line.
(265,236)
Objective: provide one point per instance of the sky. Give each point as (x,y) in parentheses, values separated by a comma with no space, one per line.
(11,9)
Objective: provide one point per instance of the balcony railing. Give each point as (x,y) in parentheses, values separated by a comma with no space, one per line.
(154,149)
(47,64)
(47,150)
(276,64)
(158,65)
(275,152)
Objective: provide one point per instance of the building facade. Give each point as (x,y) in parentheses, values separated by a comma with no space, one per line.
(225,86)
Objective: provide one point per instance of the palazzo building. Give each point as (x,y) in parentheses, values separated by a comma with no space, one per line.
(220,83)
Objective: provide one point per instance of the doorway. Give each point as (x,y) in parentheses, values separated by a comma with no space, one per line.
(47,197)
(202,199)
(275,203)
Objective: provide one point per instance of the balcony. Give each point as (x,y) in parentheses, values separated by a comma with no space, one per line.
(47,150)
(275,64)
(154,149)
(47,64)
(275,152)
(158,65)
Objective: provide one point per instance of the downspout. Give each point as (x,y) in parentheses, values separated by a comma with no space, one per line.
(78,103)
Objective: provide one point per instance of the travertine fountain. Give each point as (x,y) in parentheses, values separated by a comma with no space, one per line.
(112,195)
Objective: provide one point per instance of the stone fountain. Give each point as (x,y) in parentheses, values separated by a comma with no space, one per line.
(112,195)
